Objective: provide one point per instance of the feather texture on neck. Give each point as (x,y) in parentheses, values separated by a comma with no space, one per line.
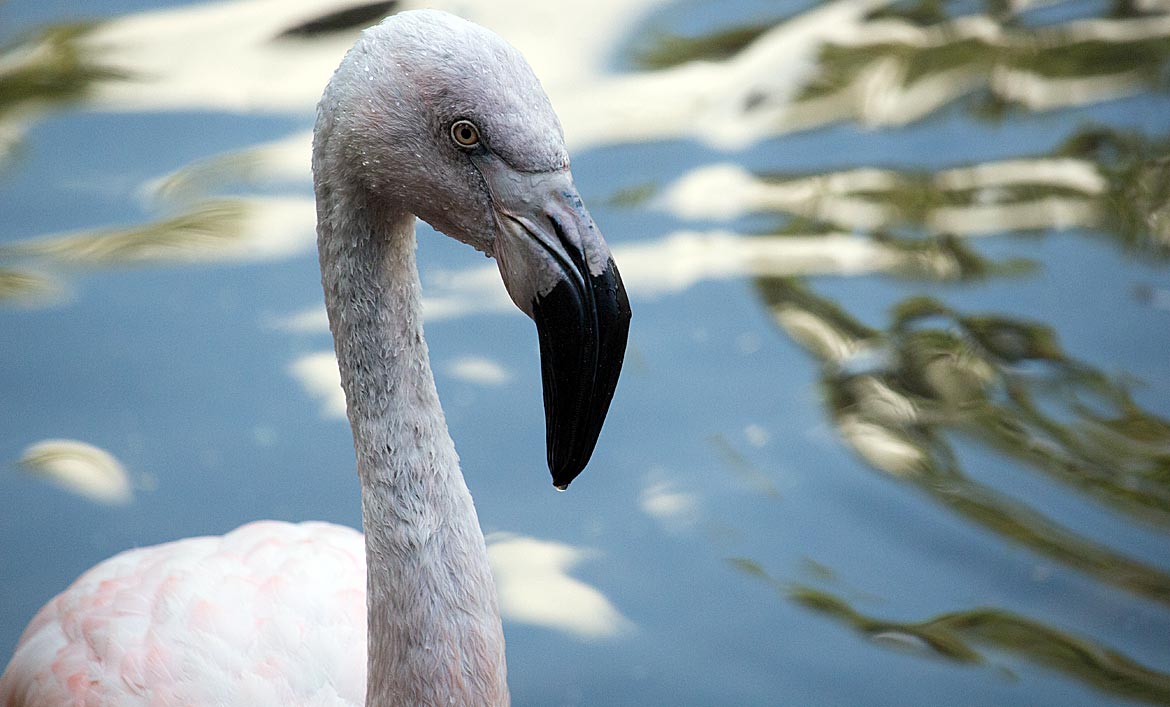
(435,632)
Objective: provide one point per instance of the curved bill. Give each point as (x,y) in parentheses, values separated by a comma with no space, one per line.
(559,271)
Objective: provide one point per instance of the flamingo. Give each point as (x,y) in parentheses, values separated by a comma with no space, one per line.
(427,116)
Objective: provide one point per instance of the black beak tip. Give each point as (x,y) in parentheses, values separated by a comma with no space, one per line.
(564,471)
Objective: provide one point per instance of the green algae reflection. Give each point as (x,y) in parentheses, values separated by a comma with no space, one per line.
(972,635)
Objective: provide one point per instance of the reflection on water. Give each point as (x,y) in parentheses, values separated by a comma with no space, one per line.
(936,372)
(901,396)
(478,370)
(42,72)
(955,396)
(354,17)
(956,636)
(318,375)
(900,62)
(81,468)
(221,229)
(535,587)
(1099,178)
(24,286)
(674,509)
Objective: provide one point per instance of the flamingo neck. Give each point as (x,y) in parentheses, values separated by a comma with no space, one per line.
(433,621)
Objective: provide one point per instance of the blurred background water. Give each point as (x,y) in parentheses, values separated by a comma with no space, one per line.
(895,422)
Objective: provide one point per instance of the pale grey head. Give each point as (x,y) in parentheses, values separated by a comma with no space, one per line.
(434,116)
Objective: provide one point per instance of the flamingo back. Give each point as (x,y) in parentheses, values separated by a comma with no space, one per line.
(270,614)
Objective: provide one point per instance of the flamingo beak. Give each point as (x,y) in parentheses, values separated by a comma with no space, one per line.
(559,271)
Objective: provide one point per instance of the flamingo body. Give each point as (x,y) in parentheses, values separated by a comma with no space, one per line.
(270,614)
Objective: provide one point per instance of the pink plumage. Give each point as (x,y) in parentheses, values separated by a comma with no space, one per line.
(269,614)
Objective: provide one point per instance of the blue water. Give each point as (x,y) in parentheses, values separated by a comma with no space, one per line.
(180,372)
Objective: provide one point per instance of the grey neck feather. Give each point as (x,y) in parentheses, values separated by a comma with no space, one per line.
(434,626)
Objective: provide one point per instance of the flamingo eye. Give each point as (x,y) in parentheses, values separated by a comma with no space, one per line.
(464,133)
